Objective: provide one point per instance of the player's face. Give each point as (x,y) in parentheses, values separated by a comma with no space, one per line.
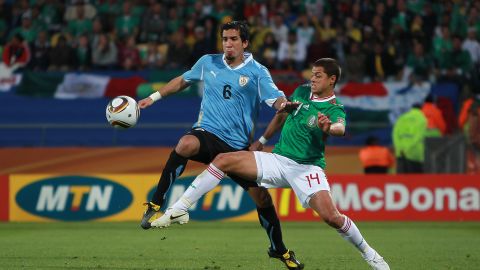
(233,47)
(321,83)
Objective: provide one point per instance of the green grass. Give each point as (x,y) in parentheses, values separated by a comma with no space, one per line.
(216,245)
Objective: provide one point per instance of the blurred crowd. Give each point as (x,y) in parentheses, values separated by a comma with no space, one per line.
(373,40)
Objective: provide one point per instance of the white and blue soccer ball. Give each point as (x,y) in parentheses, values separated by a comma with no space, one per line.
(122,112)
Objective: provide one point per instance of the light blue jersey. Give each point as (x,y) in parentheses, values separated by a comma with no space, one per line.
(232,97)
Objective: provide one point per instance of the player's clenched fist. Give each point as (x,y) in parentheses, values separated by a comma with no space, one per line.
(323,122)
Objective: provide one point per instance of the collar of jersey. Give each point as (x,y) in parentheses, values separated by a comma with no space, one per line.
(315,99)
(247,57)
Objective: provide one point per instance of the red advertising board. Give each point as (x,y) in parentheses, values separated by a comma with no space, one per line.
(395,197)
(4,198)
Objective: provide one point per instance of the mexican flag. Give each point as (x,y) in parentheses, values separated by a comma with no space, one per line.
(77,85)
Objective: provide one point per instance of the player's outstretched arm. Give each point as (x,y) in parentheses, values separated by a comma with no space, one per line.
(173,86)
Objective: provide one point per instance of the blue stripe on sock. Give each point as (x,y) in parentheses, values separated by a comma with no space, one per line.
(265,225)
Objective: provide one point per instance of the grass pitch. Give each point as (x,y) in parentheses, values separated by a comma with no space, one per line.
(217,245)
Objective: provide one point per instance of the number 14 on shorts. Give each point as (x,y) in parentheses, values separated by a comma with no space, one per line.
(312,178)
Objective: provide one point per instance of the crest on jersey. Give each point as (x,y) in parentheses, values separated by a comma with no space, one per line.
(243,81)
(312,121)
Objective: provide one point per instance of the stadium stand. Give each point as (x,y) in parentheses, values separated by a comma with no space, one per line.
(390,42)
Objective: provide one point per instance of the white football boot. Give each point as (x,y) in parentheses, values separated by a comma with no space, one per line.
(378,263)
(171,216)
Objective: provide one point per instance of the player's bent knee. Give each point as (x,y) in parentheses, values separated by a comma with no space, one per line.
(187,146)
(261,197)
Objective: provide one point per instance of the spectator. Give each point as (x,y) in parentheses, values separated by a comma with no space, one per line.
(326,28)
(104,53)
(108,10)
(409,140)
(28,32)
(97,31)
(154,28)
(352,31)
(278,28)
(211,32)
(267,54)
(292,54)
(51,15)
(419,64)
(83,53)
(155,58)
(472,46)
(178,56)
(80,24)
(355,63)
(429,19)
(174,22)
(61,56)
(40,52)
(375,158)
(436,126)
(305,31)
(380,65)
(16,53)
(318,49)
(456,65)
(201,46)
(221,11)
(442,45)
(88,11)
(129,56)
(126,24)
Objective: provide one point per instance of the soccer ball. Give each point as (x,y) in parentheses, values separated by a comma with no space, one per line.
(122,112)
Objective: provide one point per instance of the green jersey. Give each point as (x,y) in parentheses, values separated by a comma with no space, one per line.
(301,139)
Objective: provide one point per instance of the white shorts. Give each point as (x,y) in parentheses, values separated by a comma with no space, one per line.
(276,171)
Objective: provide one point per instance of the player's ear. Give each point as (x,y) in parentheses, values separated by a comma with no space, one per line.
(332,79)
(245,44)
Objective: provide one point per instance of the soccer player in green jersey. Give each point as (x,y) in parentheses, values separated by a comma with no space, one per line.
(297,161)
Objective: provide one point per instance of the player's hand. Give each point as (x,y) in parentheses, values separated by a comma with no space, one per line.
(288,107)
(144,103)
(256,146)
(324,123)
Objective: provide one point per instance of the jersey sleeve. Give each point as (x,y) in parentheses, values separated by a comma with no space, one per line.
(268,91)
(337,115)
(196,72)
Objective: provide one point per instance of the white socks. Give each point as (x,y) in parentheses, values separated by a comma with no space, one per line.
(202,184)
(350,232)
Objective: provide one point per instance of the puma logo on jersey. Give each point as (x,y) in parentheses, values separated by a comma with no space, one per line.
(213,73)
(306,107)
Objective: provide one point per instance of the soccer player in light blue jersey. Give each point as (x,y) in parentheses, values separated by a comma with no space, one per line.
(234,86)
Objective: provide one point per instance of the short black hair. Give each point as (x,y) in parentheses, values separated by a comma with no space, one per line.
(240,26)
(330,67)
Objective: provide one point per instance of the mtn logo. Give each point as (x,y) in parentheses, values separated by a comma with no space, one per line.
(74,198)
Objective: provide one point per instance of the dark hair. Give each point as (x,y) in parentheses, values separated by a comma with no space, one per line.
(330,67)
(240,26)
